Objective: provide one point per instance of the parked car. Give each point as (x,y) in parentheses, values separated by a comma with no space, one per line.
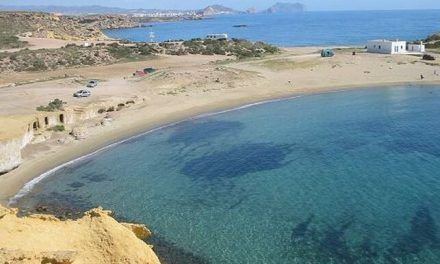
(82,93)
(92,84)
(428,57)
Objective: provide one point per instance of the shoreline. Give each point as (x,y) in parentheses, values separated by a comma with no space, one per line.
(18,181)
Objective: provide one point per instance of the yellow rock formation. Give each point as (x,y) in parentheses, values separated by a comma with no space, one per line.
(95,238)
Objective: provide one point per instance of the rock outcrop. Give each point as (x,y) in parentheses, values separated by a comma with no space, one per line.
(79,132)
(14,136)
(214,10)
(94,238)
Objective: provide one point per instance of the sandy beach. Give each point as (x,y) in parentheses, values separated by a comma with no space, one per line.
(184,87)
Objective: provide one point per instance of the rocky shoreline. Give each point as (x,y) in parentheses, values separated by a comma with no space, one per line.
(65,209)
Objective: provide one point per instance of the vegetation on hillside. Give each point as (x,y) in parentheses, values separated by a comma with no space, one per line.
(53,106)
(433,41)
(45,25)
(101,54)
(235,47)
(8,31)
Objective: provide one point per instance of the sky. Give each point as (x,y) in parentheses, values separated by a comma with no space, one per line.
(241,4)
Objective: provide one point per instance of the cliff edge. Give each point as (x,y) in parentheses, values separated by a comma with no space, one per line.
(95,238)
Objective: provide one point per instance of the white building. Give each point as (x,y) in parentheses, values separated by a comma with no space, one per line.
(420,47)
(217,36)
(394,47)
(386,46)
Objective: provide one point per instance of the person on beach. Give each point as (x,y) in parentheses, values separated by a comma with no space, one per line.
(422,77)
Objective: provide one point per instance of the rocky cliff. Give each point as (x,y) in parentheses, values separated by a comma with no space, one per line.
(14,136)
(95,238)
(10,152)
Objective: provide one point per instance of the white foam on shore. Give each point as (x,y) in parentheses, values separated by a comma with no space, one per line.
(29,186)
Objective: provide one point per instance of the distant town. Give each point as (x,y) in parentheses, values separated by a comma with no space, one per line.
(211,10)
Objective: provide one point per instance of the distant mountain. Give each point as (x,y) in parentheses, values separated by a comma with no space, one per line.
(95,9)
(67,10)
(212,10)
(217,10)
(251,10)
(282,7)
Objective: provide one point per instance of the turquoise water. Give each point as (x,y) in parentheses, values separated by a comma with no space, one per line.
(300,29)
(345,177)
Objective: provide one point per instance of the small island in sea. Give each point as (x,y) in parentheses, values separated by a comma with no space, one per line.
(292,144)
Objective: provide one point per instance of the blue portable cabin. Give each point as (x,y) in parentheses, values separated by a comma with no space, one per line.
(325,53)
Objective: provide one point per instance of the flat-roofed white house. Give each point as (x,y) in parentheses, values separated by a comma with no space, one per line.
(420,47)
(386,46)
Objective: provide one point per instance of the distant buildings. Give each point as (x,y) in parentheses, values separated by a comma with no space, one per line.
(166,14)
(217,36)
(384,46)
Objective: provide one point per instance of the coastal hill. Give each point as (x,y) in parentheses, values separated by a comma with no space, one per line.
(66,10)
(94,238)
(433,41)
(217,10)
(282,7)
(45,25)
(96,9)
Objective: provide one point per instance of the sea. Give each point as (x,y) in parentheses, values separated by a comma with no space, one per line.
(298,29)
(342,177)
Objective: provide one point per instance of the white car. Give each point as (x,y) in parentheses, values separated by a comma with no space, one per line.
(92,84)
(82,93)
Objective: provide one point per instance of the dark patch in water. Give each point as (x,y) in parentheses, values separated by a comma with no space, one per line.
(238,203)
(348,143)
(169,253)
(406,145)
(63,206)
(237,161)
(299,232)
(423,233)
(331,246)
(76,185)
(98,177)
(191,132)
(334,244)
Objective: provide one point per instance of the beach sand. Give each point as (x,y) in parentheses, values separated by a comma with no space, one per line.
(184,87)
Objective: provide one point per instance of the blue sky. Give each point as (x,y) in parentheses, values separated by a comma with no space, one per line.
(243,4)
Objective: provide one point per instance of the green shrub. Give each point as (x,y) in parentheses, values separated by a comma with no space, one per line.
(145,50)
(433,37)
(53,106)
(38,65)
(57,128)
(119,52)
(435,45)
(111,109)
(101,110)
